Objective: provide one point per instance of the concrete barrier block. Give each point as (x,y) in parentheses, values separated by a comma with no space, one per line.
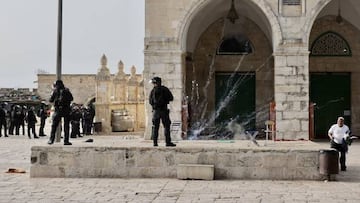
(195,171)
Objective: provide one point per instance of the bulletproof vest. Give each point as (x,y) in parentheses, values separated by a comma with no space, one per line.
(2,113)
(160,97)
(63,98)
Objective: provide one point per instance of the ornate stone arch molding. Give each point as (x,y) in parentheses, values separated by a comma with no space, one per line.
(313,14)
(197,7)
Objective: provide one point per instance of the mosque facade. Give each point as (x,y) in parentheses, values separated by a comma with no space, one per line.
(294,62)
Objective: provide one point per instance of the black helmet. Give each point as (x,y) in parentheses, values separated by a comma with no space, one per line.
(59,84)
(156,80)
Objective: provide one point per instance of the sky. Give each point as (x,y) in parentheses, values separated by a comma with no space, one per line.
(91,28)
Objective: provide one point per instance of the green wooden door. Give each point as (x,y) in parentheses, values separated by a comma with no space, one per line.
(332,94)
(235,98)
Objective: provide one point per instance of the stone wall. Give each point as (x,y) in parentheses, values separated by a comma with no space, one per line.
(119,92)
(150,162)
(82,86)
(18,94)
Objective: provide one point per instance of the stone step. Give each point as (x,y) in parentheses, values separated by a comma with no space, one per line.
(195,171)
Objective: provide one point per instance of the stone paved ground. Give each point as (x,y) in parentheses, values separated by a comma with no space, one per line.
(15,152)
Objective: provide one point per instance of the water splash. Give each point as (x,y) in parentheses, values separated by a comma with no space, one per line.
(205,126)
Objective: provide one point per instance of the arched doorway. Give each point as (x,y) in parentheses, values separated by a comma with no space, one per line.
(334,67)
(225,83)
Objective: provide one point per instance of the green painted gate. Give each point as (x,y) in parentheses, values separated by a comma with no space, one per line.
(332,94)
(239,90)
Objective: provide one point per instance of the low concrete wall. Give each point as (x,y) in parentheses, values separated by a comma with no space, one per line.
(161,162)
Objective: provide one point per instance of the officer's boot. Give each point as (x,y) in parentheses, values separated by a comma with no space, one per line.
(155,143)
(52,138)
(154,136)
(168,138)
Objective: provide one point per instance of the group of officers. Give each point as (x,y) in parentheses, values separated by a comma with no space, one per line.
(14,117)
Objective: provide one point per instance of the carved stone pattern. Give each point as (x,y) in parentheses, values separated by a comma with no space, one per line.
(330,44)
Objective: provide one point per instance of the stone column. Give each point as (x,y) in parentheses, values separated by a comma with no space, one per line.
(292,93)
(167,65)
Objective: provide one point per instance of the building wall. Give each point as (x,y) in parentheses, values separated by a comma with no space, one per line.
(82,86)
(341,64)
(168,40)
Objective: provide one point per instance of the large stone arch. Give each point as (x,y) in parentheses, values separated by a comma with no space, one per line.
(325,20)
(260,6)
(311,19)
(203,15)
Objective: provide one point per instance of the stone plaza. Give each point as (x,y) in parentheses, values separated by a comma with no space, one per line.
(22,188)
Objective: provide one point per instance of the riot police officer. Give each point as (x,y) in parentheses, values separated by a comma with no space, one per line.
(17,116)
(3,113)
(61,97)
(75,116)
(160,97)
(22,118)
(88,116)
(42,114)
(31,121)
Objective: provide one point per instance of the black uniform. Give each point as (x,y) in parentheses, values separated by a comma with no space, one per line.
(17,115)
(42,114)
(75,122)
(31,121)
(88,116)
(22,119)
(3,120)
(12,120)
(160,97)
(61,97)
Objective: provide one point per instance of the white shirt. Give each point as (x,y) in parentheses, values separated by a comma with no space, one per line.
(339,133)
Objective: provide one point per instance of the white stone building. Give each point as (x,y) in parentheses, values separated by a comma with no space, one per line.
(229,59)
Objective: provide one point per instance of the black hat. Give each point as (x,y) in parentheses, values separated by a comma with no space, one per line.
(156,80)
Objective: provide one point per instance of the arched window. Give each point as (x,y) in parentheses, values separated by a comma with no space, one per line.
(237,45)
(330,44)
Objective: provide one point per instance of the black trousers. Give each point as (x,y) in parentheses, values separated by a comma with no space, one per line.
(22,125)
(17,128)
(88,126)
(56,120)
(342,148)
(3,124)
(31,128)
(162,115)
(11,127)
(75,129)
(42,125)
